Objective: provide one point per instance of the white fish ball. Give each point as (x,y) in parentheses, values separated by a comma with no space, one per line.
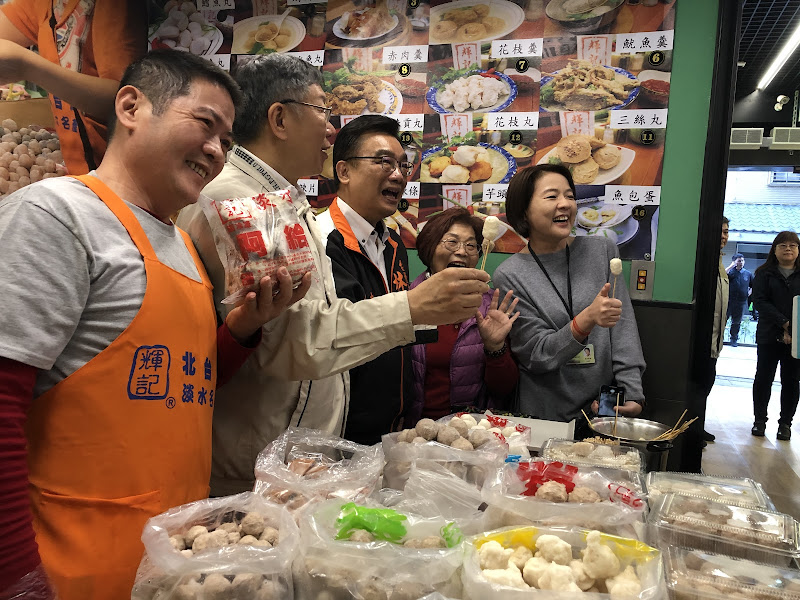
(616,266)
(186,38)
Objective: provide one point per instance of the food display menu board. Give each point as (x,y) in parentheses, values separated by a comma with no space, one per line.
(481,89)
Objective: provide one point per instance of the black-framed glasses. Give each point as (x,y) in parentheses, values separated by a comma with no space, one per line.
(389,164)
(470,248)
(789,246)
(326,109)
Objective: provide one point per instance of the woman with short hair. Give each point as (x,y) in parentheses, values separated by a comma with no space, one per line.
(470,365)
(562,283)
(775,285)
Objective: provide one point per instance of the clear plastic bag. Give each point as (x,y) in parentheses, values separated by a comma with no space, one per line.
(341,569)
(256,236)
(238,567)
(435,491)
(306,464)
(472,465)
(644,563)
(574,496)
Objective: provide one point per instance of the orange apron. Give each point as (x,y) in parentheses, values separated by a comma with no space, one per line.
(128,435)
(72,147)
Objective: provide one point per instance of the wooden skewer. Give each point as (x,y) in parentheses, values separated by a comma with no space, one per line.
(588,420)
(616,412)
(614,291)
(487,248)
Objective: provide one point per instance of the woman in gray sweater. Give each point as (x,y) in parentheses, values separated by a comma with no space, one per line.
(562,285)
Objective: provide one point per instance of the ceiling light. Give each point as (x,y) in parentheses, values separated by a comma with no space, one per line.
(778,106)
(741,63)
(780,60)
(782,99)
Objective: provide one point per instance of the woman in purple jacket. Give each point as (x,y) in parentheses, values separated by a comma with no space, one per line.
(470,364)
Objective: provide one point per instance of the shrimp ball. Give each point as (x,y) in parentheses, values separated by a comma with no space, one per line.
(53,145)
(10,124)
(56,156)
(17,136)
(447,435)
(50,166)
(3,186)
(13,186)
(23,181)
(252,524)
(23,172)
(427,428)
(34,146)
(13,176)
(12,166)
(460,426)
(40,160)
(5,159)
(4,173)
(8,138)
(37,173)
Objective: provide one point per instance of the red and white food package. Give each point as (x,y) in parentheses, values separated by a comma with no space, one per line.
(256,236)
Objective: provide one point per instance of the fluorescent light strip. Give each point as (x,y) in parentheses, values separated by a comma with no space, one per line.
(780,60)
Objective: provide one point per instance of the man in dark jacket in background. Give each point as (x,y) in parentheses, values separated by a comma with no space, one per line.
(741,286)
(368,259)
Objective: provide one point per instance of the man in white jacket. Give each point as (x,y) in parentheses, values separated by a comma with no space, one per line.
(298,376)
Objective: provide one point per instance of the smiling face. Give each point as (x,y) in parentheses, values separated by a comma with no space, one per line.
(551,212)
(365,186)
(443,258)
(181,150)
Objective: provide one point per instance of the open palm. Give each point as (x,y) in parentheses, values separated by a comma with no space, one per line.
(496,325)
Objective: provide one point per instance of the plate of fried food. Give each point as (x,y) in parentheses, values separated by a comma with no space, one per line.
(584,86)
(481,91)
(267,34)
(482,163)
(473,21)
(590,160)
(367,24)
(363,94)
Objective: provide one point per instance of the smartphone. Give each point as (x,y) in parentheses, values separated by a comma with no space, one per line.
(610,396)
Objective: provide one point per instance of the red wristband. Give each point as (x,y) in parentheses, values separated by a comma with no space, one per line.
(578,330)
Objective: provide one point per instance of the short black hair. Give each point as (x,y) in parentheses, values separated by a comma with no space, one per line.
(163,75)
(520,191)
(265,80)
(348,140)
(725,220)
(737,255)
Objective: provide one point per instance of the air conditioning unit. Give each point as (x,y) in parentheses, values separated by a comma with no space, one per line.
(785,138)
(746,138)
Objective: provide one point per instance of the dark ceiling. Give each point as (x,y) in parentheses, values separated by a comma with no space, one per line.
(766,26)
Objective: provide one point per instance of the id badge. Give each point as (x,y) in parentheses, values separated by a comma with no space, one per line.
(584,357)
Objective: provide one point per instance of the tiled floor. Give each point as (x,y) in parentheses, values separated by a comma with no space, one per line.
(729,416)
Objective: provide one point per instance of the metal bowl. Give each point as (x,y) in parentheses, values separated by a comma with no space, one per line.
(635,431)
(592,24)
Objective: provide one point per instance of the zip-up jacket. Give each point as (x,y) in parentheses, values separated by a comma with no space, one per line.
(380,389)
(772,298)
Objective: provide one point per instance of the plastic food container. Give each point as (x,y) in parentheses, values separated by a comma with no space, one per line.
(696,575)
(742,491)
(758,535)
(593,454)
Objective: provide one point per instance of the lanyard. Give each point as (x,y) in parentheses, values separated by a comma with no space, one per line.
(568,307)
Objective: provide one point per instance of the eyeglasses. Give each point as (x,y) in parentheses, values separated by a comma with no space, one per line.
(790,246)
(326,109)
(471,248)
(389,164)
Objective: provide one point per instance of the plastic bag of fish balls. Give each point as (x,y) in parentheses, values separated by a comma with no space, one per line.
(540,562)
(233,547)
(354,551)
(445,442)
(27,155)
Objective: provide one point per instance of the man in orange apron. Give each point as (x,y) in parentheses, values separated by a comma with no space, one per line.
(83,49)
(112,338)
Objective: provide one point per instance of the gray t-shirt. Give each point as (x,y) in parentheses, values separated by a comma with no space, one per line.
(71,278)
(550,387)
(786,271)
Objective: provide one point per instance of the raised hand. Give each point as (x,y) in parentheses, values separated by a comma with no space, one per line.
(496,325)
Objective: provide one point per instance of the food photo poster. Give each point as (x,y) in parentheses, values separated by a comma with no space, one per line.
(481,89)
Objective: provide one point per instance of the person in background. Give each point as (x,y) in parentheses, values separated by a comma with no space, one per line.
(470,365)
(562,283)
(776,283)
(741,286)
(83,49)
(718,327)
(298,376)
(108,358)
